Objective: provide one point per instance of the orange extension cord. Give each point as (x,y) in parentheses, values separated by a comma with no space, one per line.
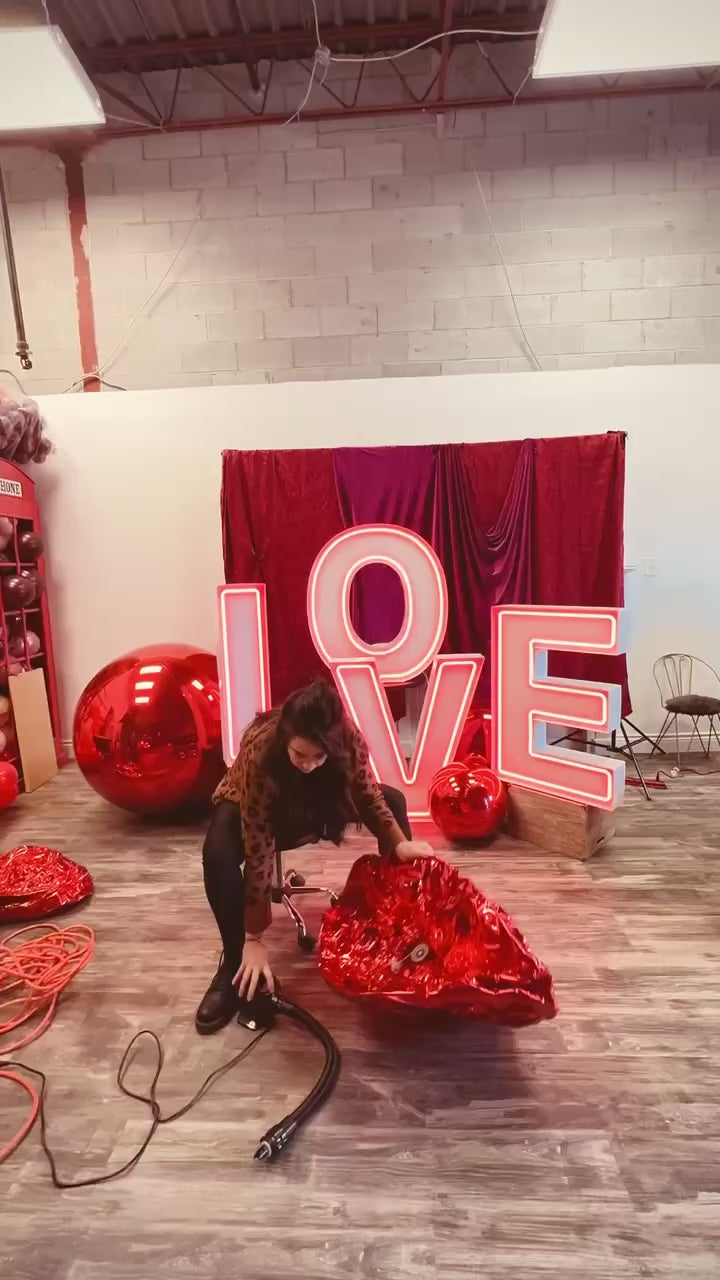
(33,975)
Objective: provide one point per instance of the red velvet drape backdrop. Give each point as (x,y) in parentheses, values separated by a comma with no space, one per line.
(524,522)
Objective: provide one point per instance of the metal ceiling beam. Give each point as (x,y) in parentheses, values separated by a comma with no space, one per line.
(272,44)
(240,33)
(391,108)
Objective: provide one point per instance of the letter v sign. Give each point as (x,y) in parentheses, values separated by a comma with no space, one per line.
(361,670)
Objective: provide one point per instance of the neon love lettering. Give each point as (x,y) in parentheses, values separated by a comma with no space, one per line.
(525,700)
(362,671)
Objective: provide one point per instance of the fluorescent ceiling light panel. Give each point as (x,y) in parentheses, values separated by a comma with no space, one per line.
(42,84)
(606,37)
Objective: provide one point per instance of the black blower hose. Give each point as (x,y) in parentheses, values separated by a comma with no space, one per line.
(280,1134)
(258,1013)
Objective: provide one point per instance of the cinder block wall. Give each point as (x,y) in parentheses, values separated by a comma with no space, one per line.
(362,248)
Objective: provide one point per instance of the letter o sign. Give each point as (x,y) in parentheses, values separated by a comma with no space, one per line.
(424,588)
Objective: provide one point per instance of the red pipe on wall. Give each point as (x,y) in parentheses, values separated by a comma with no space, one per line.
(77,214)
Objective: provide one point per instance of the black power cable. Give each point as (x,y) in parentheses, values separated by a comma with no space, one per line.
(276,1138)
(261,1013)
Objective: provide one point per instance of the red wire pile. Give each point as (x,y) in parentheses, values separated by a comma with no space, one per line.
(33,975)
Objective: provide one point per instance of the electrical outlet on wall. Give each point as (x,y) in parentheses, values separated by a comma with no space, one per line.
(648,565)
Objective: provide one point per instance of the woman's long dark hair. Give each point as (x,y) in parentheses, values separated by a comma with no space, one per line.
(315,713)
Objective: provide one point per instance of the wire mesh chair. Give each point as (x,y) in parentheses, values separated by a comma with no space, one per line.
(677,676)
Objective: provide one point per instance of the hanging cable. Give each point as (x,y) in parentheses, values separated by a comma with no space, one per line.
(528,345)
(22,350)
(439,35)
(107,362)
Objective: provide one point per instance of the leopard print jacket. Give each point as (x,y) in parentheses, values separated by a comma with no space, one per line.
(247,783)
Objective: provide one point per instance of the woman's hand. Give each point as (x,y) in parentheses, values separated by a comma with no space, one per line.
(409,849)
(255,965)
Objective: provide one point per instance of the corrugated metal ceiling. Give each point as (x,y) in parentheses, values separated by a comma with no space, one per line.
(101,25)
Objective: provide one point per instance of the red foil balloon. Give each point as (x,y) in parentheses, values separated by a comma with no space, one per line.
(30,546)
(37,581)
(420,934)
(467,804)
(9,784)
(147,732)
(17,592)
(36,881)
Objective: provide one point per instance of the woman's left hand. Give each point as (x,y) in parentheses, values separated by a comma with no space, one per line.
(409,849)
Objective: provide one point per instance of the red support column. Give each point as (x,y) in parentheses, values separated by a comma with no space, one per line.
(444,49)
(77,213)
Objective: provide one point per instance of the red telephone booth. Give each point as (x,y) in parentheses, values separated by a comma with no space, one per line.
(25,632)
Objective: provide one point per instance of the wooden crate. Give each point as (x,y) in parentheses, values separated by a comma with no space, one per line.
(557,826)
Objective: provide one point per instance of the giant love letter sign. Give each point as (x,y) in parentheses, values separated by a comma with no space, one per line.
(243,664)
(526,700)
(361,670)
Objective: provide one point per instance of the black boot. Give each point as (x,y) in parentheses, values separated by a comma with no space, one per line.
(219,1004)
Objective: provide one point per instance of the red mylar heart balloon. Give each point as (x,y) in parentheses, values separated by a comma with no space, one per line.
(36,881)
(420,934)
(467,803)
(476,761)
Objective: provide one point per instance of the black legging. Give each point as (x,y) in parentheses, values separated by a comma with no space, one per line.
(223,856)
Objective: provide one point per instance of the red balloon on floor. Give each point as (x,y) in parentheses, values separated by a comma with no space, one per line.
(147,733)
(421,935)
(467,803)
(36,881)
(9,785)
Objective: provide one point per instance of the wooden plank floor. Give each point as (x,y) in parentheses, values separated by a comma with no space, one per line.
(585,1147)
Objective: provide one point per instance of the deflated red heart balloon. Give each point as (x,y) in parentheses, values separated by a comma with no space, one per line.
(419,934)
(36,881)
(467,803)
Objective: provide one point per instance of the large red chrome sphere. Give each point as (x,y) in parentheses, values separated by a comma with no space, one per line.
(467,803)
(147,732)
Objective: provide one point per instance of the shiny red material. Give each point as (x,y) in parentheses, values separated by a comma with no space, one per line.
(147,733)
(17,592)
(467,803)
(421,935)
(36,881)
(9,784)
(475,736)
(30,546)
(37,581)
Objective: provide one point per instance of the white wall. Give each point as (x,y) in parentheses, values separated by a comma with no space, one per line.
(130,499)
(360,247)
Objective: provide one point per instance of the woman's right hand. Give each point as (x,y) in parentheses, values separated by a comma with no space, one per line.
(254,966)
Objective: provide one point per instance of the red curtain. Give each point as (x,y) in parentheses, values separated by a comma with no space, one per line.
(578,538)
(536,521)
(386,486)
(279,508)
